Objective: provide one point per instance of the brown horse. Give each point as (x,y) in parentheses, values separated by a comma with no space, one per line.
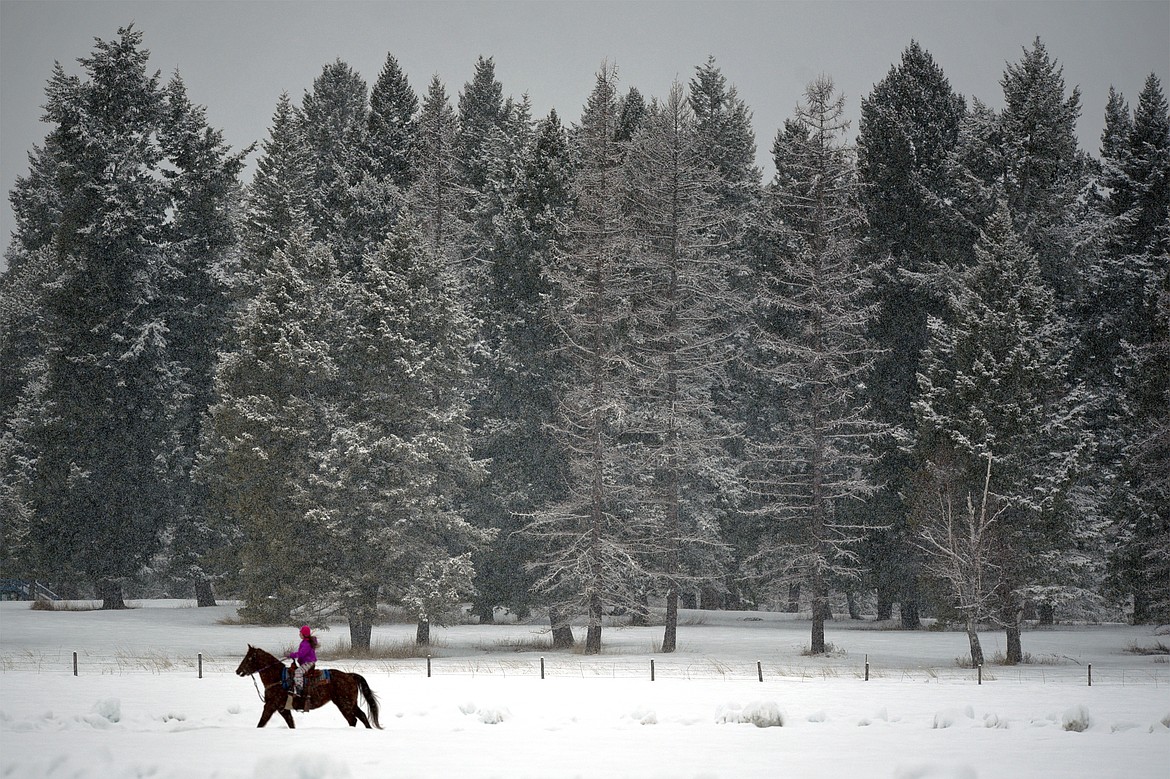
(342,688)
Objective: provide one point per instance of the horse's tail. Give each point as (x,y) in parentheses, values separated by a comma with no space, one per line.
(371,699)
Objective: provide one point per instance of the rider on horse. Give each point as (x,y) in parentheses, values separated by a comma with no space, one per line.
(305,658)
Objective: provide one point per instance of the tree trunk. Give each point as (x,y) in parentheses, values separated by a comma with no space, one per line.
(819,608)
(973,640)
(1141,608)
(885,605)
(362,610)
(1015,650)
(593,633)
(359,634)
(110,592)
(422,635)
(204,594)
(851,599)
(485,612)
(670,635)
(794,598)
(1047,614)
(562,632)
(911,619)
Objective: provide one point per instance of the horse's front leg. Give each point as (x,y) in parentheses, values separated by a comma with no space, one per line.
(288,717)
(266,715)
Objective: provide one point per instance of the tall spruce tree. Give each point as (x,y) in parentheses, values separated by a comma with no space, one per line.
(202,241)
(723,121)
(809,462)
(390,134)
(276,201)
(683,348)
(276,394)
(909,127)
(100,441)
(1128,339)
(591,555)
(995,384)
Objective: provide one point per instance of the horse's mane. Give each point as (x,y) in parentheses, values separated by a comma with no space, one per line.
(264,655)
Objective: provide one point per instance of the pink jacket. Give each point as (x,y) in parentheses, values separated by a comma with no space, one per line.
(305,654)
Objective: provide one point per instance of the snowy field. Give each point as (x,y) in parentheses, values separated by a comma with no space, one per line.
(137,707)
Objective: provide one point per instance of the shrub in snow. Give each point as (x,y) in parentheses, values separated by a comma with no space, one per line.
(644,716)
(492,716)
(762,714)
(948,717)
(1075,719)
(109,709)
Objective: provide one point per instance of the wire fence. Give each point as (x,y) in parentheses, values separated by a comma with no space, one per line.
(200,665)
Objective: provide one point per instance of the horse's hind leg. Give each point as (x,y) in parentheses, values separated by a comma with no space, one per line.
(347,711)
(361,715)
(288,717)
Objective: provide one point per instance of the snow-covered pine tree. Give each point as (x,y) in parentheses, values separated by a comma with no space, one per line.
(436,195)
(385,481)
(909,126)
(994,382)
(202,237)
(682,348)
(591,551)
(1129,335)
(723,122)
(809,461)
(391,130)
(333,122)
(276,202)
(97,489)
(275,407)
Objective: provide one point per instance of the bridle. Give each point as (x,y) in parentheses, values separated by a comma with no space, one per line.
(252,675)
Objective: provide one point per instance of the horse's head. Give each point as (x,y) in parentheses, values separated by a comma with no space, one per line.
(250,664)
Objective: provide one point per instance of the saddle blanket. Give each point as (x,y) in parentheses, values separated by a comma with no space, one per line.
(317,674)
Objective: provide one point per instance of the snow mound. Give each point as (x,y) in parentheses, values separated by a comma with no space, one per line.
(489,715)
(302,766)
(1076,719)
(644,716)
(948,718)
(762,714)
(109,709)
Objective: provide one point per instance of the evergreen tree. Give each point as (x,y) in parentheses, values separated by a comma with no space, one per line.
(334,116)
(102,431)
(682,348)
(1128,335)
(909,127)
(391,130)
(276,202)
(995,384)
(384,482)
(727,143)
(204,190)
(808,464)
(276,394)
(591,550)
(436,197)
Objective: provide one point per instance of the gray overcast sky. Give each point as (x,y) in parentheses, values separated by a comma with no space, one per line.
(237,57)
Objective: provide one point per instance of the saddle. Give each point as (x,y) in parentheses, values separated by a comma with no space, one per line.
(288,682)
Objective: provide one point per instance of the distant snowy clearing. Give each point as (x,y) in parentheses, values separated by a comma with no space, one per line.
(137,708)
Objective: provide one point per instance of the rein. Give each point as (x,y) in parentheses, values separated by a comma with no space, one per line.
(257,686)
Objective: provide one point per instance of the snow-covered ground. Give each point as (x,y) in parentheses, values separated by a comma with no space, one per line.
(138,709)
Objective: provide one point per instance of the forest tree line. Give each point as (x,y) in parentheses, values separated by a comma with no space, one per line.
(440,351)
